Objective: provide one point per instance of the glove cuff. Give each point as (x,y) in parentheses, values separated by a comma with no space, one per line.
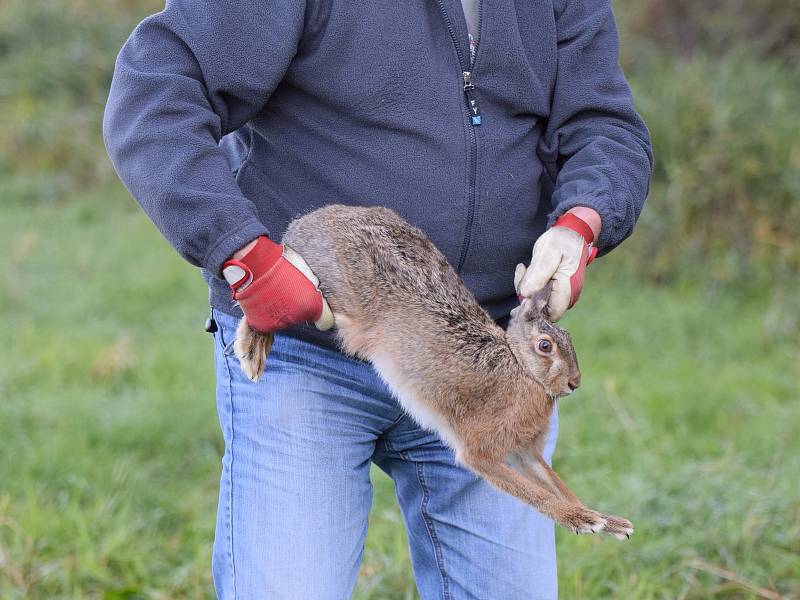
(578,225)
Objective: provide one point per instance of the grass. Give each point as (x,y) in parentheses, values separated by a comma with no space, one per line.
(687,424)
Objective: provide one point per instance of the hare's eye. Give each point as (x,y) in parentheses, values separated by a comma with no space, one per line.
(544,346)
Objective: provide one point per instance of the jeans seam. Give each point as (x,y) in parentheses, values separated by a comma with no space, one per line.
(230,479)
(437,548)
(397,420)
(426,518)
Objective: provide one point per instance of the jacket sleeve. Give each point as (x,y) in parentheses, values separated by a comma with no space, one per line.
(595,147)
(187,76)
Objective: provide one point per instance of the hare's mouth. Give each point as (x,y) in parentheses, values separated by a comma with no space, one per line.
(560,392)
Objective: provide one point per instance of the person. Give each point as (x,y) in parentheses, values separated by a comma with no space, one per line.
(491,126)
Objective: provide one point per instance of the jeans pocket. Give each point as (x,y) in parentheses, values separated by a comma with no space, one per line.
(225,335)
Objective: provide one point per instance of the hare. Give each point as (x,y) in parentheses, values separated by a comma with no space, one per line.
(488,393)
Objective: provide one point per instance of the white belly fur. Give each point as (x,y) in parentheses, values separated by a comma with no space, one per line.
(410,401)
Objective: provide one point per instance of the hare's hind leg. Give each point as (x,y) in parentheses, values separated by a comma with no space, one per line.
(573,516)
(251,348)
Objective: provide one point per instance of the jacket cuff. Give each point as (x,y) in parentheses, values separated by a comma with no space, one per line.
(230,242)
(610,233)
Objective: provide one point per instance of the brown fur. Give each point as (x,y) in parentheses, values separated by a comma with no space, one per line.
(489,393)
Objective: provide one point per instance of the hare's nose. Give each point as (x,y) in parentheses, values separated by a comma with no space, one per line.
(574,383)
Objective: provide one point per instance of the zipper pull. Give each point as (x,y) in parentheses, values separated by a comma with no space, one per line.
(472,100)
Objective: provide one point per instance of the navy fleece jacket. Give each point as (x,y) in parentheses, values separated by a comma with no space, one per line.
(226,119)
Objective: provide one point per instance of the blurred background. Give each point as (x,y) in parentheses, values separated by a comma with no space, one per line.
(688,421)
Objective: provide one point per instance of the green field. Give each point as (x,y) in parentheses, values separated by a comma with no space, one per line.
(687,423)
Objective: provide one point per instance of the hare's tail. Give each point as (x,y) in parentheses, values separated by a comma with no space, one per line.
(251,348)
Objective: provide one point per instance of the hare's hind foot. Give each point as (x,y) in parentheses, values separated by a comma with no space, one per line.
(251,348)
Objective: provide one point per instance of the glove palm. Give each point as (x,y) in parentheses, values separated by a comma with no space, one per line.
(559,255)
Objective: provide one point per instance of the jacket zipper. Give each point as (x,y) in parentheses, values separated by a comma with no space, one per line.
(472,99)
(473,120)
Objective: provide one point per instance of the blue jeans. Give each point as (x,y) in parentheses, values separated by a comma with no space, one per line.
(295,491)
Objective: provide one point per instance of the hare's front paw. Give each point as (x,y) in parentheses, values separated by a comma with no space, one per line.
(583,520)
(618,527)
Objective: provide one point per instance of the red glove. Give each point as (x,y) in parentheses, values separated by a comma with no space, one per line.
(276,288)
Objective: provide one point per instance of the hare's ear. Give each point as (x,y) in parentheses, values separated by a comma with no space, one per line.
(538,302)
(534,306)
